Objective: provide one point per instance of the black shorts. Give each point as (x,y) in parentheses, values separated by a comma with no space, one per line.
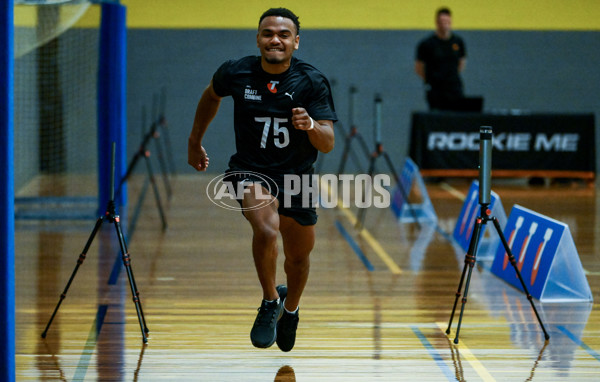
(290,206)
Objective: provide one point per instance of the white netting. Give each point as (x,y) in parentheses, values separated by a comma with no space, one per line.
(56,65)
(32,31)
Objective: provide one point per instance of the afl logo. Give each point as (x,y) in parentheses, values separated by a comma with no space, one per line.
(226,190)
(272,86)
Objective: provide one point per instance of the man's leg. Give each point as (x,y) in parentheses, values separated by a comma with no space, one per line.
(265,229)
(265,224)
(298,242)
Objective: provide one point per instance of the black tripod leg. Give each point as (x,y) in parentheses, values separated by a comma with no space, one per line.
(469,262)
(363,144)
(134,291)
(356,160)
(458,293)
(360,219)
(169,148)
(130,168)
(156,193)
(348,151)
(345,153)
(163,166)
(513,261)
(79,262)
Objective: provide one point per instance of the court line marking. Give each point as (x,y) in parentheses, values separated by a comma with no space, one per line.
(453,191)
(579,342)
(90,344)
(366,235)
(437,357)
(468,356)
(354,245)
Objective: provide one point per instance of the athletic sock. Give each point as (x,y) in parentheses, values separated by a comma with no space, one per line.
(294,312)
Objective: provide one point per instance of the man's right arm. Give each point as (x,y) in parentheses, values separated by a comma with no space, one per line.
(205,112)
(420,58)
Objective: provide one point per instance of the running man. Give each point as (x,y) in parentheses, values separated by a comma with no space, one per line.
(283,115)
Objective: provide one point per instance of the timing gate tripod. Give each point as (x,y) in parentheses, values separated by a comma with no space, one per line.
(377,153)
(485,164)
(110,216)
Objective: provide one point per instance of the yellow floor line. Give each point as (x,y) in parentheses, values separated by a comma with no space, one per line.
(466,353)
(453,191)
(366,235)
(394,268)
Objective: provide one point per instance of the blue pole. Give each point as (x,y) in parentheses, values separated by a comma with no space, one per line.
(112,118)
(7,195)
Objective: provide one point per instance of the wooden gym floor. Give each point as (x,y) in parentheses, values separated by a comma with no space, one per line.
(379,318)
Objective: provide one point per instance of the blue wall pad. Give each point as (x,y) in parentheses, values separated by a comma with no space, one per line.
(405,211)
(112,97)
(489,240)
(7,195)
(546,257)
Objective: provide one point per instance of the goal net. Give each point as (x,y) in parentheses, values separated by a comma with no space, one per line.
(55,117)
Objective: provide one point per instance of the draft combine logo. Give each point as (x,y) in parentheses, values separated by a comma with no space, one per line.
(226,190)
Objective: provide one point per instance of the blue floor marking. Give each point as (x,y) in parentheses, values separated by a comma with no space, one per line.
(582,344)
(116,269)
(434,354)
(354,246)
(90,345)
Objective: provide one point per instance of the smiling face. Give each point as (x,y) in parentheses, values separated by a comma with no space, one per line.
(277,40)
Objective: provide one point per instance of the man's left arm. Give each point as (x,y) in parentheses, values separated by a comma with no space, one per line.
(462,61)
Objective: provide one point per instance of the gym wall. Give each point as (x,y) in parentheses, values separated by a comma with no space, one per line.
(528,55)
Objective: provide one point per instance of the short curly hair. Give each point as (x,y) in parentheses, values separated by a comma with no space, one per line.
(283,12)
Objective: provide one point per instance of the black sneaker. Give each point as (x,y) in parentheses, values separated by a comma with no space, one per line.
(282,291)
(264,331)
(286,330)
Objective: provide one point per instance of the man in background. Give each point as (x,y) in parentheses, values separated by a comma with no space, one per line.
(440,58)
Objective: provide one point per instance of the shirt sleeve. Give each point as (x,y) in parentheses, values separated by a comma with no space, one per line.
(463,49)
(421,53)
(321,105)
(221,80)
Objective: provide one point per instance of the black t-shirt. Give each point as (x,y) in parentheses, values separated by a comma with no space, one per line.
(265,138)
(441,58)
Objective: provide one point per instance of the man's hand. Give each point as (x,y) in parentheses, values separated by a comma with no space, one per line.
(320,133)
(197,158)
(301,120)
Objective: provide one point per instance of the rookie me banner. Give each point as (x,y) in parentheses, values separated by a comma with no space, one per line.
(546,257)
(557,142)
